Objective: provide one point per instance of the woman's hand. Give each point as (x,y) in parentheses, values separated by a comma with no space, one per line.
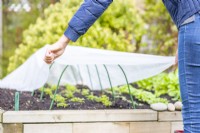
(56,50)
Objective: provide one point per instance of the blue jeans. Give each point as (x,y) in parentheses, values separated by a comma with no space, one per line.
(189,74)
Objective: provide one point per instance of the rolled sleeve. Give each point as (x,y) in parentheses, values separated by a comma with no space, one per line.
(71,34)
(85,17)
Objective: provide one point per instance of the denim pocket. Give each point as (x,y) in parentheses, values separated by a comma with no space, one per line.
(189,20)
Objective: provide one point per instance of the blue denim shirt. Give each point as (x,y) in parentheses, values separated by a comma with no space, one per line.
(91,10)
(86,15)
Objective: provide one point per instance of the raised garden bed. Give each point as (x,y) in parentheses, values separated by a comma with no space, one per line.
(86,111)
(79,97)
(90,121)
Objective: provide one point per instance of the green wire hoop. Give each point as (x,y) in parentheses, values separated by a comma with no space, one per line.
(52,102)
(110,82)
(128,86)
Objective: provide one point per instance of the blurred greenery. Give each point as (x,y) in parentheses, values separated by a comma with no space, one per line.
(162,84)
(161,29)
(123,27)
(114,30)
(16,21)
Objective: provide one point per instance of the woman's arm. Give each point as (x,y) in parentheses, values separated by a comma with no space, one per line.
(86,15)
(83,19)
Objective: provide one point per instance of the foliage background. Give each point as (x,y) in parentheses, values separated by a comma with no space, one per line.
(16,21)
(146,28)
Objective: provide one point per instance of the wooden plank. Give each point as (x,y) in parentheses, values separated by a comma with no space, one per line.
(48,128)
(79,116)
(101,128)
(170,116)
(176,126)
(12,128)
(1,128)
(150,127)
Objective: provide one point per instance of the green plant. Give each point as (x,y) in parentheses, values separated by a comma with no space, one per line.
(48,91)
(93,98)
(164,83)
(142,95)
(71,88)
(77,100)
(69,94)
(85,92)
(114,30)
(123,98)
(59,98)
(64,105)
(146,84)
(102,99)
(173,86)
(167,84)
(15,22)
(105,100)
(53,87)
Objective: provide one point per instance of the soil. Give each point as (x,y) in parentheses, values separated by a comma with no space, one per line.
(29,102)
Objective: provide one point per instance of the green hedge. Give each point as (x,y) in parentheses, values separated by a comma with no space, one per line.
(119,28)
(161,30)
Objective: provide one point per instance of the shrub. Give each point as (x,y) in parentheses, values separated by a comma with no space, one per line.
(114,30)
(162,31)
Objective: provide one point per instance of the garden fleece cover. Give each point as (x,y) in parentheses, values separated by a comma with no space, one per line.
(87,66)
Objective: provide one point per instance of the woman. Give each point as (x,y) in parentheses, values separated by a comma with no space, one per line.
(186,16)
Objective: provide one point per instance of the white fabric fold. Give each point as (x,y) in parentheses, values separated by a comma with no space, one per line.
(86,66)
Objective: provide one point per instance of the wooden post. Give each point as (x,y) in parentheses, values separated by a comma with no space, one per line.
(1,38)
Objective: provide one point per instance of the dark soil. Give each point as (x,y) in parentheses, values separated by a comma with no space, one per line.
(29,102)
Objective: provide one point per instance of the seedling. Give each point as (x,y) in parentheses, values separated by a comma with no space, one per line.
(59,99)
(77,100)
(105,101)
(64,105)
(85,92)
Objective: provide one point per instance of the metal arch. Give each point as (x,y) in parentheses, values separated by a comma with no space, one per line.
(110,81)
(128,86)
(52,102)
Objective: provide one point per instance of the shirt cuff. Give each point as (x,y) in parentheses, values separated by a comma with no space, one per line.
(71,34)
